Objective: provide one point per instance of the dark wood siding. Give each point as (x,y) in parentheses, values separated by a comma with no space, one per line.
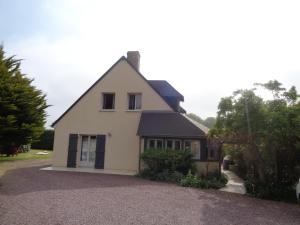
(203,144)
(100,152)
(72,150)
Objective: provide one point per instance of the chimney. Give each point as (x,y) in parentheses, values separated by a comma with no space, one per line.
(134,58)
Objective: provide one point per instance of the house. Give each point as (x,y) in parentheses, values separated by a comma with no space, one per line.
(122,114)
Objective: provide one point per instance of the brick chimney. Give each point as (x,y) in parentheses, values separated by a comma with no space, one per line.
(134,58)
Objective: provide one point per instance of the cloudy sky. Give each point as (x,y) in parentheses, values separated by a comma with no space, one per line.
(205,49)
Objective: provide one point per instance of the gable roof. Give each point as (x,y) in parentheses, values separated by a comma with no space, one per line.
(165,89)
(107,72)
(168,124)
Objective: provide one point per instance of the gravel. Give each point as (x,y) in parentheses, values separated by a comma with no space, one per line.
(34,197)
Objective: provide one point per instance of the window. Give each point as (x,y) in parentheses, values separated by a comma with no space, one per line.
(134,101)
(194,147)
(177,144)
(169,144)
(155,143)
(187,145)
(151,143)
(173,144)
(108,101)
(159,144)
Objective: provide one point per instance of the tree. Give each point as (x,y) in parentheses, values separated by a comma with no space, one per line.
(45,141)
(208,122)
(22,106)
(265,135)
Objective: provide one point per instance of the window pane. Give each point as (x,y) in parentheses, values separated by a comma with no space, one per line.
(131,104)
(195,148)
(177,145)
(151,143)
(159,144)
(138,101)
(92,152)
(84,148)
(169,144)
(108,101)
(187,145)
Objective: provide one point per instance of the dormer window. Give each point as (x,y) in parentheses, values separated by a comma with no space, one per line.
(134,101)
(108,101)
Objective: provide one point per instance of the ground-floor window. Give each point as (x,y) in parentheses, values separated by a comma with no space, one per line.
(176,144)
(155,143)
(194,146)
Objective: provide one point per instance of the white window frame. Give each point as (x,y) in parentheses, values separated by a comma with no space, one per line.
(155,142)
(114,101)
(173,143)
(191,144)
(135,102)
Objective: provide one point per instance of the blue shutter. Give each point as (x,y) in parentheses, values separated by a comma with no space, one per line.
(72,150)
(100,152)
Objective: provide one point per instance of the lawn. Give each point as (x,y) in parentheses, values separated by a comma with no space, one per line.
(28,155)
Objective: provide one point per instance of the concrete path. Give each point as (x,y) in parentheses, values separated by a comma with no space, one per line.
(235,184)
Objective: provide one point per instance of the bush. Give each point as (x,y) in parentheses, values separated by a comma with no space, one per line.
(167,176)
(270,190)
(159,160)
(211,181)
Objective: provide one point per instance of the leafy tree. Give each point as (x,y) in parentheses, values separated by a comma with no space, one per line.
(265,136)
(22,106)
(208,122)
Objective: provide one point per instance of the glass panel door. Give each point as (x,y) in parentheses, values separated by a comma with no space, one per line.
(92,152)
(88,151)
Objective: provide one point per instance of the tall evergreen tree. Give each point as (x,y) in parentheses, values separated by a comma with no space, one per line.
(22,106)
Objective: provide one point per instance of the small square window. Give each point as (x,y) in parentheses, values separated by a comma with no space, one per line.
(134,101)
(108,101)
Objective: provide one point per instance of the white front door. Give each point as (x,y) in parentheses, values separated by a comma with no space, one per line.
(88,151)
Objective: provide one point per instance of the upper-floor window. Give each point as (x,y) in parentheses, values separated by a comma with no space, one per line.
(108,101)
(134,101)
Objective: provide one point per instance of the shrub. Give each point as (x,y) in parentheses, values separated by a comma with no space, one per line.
(159,160)
(167,176)
(270,190)
(211,181)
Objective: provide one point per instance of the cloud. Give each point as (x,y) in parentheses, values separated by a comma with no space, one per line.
(206,50)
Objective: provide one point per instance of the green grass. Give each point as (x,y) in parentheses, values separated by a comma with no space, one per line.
(27,155)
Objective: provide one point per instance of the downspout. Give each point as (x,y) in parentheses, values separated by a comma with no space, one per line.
(140,149)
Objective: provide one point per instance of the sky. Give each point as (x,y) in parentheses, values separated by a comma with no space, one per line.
(205,49)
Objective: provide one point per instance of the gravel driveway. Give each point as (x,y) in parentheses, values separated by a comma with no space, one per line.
(30,196)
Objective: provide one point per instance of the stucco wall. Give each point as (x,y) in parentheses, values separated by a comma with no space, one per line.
(206,167)
(86,117)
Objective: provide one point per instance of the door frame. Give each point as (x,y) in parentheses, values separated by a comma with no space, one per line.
(86,164)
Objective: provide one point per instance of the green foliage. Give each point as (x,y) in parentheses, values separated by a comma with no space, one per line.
(45,141)
(22,106)
(270,190)
(211,181)
(208,122)
(264,136)
(159,160)
(166,175)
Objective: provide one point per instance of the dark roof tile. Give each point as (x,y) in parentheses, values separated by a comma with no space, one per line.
(168,124)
